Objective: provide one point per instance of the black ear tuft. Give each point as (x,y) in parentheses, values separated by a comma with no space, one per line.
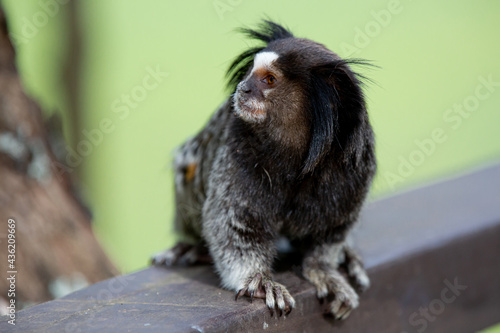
(323,100)
(267,32)
(336,105)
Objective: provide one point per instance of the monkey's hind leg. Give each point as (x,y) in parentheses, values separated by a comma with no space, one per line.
(355,269)
(182,254)
(320,267)
(189,199)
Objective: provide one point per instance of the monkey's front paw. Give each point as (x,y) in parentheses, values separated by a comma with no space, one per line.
(262,286)
(331,282)
(182,254)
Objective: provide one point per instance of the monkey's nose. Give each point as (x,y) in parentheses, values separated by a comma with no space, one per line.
(243,86)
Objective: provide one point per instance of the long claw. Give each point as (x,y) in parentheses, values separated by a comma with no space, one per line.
(239,293)
(277,297)
(272,311)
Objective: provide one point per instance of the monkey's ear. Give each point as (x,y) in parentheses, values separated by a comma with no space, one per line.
(336,105)
(267,32)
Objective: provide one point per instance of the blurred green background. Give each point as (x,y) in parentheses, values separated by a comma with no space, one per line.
(153,71)
(432,112)
(150,73)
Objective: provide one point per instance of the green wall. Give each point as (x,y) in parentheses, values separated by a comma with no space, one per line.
(433,114)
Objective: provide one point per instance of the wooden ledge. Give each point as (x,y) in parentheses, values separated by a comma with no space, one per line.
(432,255)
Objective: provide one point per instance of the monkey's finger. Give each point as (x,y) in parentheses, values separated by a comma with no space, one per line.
(321,290)
(254,285)
(280,301)
(341,307)
(289,300)
(346,314)
(336,304)
(356,270)
(358,274)
(270,297)
(342,312)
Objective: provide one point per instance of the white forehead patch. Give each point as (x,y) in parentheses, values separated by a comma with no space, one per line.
(263,60)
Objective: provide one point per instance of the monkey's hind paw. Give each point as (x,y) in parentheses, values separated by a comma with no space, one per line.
(276,295)
(182,254)
(331,282)
(355,270)
(343,304)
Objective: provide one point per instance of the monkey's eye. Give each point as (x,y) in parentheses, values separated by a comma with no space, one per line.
(270,80)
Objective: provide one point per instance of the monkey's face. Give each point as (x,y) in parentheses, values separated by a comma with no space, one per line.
(297,93)
(264,92)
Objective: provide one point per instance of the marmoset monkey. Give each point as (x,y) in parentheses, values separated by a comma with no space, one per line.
(290,153)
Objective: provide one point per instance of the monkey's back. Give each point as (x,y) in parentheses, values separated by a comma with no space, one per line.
(192,165)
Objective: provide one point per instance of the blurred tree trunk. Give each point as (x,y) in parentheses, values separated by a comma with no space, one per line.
(55,247)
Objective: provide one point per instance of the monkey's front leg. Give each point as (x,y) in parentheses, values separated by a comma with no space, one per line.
(243,254)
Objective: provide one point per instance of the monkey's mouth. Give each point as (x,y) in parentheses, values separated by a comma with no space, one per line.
(248,108)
